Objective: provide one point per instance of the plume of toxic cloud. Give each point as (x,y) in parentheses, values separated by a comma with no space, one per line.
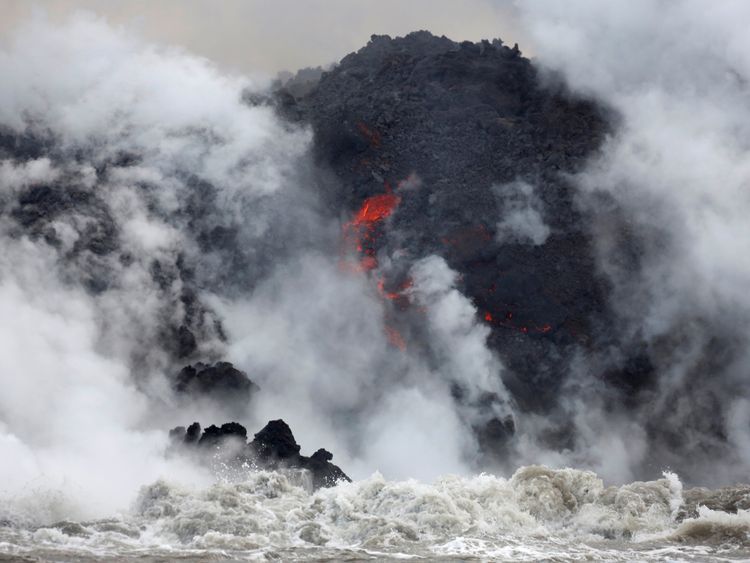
(142,149)
(314,339)
(187,189)
(671,189)
(458,340)
(69,411)
(163,145)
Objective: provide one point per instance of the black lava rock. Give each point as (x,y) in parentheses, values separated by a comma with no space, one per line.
(276,441)
(466,134)
(214,435)
(274,447)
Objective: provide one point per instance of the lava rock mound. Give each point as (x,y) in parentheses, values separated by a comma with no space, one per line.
(475,142)
(274,447)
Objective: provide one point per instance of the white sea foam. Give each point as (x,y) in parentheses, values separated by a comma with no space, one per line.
(537,513)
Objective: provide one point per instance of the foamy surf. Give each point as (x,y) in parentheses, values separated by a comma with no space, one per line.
(539,513)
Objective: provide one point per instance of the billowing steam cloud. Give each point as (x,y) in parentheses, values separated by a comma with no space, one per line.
(145,203)
(153,213)
(670,194)
(126,130)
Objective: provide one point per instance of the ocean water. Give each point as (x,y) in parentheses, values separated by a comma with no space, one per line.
(537,514)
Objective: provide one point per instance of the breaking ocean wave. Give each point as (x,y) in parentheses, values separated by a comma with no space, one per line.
(538,513)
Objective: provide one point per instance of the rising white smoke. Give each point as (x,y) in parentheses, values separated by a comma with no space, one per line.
(131,128)
(159,180)
(670,194)
(315,340)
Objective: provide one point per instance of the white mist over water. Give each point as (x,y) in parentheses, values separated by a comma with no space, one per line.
(536,514)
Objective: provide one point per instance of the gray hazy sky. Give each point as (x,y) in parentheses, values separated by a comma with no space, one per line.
(272,35)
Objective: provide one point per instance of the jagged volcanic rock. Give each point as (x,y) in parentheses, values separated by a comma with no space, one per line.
(276,442)
(481,129)
(274,447)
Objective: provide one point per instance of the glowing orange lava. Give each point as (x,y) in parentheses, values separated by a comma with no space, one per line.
(362,229)
(376,208)
(361,233)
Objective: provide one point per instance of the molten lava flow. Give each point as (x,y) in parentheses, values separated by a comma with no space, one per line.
(361,233)
(362,230)
(376,208)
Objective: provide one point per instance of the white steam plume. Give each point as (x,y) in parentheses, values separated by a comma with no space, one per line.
(315,340)
(85,403)
(159,180)
(676,171)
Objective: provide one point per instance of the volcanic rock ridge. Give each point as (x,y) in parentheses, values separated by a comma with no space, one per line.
(477,146)
(274,447)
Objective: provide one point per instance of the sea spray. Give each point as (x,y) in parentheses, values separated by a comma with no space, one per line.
(267,513)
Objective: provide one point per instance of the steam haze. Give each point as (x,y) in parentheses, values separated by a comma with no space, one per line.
(158,145)
(676,172)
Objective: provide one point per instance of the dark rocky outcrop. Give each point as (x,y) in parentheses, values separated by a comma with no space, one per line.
(475,123)
(274,447)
